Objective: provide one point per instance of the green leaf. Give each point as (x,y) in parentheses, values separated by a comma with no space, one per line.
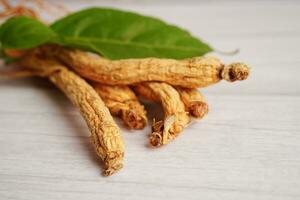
(111,33)
(118,34)
(23,33)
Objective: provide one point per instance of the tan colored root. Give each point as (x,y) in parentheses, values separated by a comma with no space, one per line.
(175,117)
(30,7)
(122,101)
(194,102)
(189,73)
(104,132)
(19,73)
(235,71)
(144,91)
(18,10)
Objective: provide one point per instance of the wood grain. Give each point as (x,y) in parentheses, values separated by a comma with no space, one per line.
(247,147)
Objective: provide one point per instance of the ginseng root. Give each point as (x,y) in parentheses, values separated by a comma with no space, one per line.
(189,73)
(175,117)
(104,132)
(194,102)
(122,101)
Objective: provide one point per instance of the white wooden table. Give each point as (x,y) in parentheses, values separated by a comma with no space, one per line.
(248,147)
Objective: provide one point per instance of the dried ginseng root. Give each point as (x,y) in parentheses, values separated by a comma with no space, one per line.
(194,102)
(122,101)
(30,8)
(104,132)
(175,117)
(189,73)
(19,9)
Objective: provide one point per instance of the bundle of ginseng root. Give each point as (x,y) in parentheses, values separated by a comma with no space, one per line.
(99,87)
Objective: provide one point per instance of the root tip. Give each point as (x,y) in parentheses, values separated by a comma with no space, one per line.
(235,71)
(161,131)
(198,109)
(134,120)
(156,138)
(111,170)
(113,163)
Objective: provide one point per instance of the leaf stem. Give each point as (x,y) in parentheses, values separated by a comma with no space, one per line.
(228,53)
